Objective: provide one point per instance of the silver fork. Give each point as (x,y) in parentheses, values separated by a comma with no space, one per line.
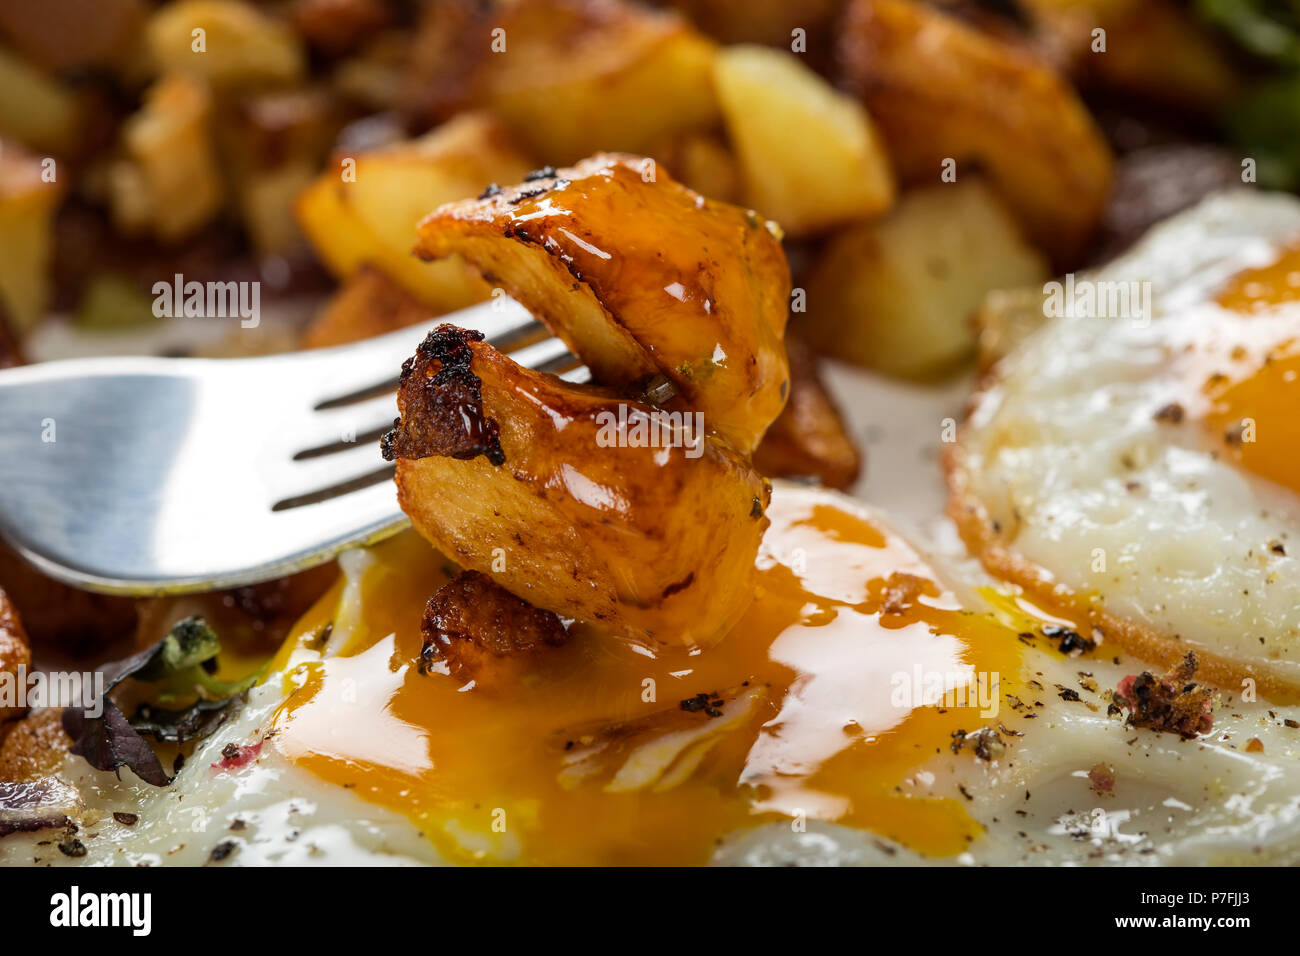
(153,475)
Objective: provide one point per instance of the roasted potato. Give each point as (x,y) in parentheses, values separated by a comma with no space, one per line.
(14,652)
(273,145)
(35,109)
(897,295)
(239,45)
(74,34)
(168,183)
(27,206)
(772,22)
(1154,49)
(641,277)
(808,439)
(367,213)
(522,476)
(940,90)
(811,156)
(368,303)
(570,77)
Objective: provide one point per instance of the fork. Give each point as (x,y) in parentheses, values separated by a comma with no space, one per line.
(154,475)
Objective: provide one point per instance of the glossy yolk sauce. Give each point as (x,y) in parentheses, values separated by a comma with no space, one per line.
(592,759)
(1253,389)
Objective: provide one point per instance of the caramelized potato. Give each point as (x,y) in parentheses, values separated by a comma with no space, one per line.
(27,207)
(811,156)
(808,439)
(241,46)
(368,303)
(570,77)
(897,295)
(641,277)
(522,476)
(371,218)
(940,90)
(168,183)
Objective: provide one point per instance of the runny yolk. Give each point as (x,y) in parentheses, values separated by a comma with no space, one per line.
(814,707)
(1253,390)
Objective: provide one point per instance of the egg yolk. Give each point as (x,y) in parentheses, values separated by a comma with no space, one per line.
(852,668)
(1253,391)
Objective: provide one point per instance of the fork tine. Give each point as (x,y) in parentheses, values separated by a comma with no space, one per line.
(357,371)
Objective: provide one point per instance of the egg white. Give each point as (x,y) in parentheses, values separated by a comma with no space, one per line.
(1064,452)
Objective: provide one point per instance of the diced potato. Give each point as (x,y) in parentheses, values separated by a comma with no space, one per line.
(35,110)
(27,207)
(238,46)
(897,295)
(367,304)
(940,90)
(574,77)
(811,155)
(168,182)
(373,219)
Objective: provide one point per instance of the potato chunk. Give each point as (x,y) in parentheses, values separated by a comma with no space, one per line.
(27,207)
(570,77)
(641,277)
(811,155)
(168,184)
(532,480)
(365,210)
(898,295)
(239,46)
(940,90)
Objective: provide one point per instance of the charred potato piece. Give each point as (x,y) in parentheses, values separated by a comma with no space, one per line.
(570,77)
(808,439)
(367,212)
(27,207)
(520,475)
(168,183)
(368,303)
(641,277)
(940,90)
(898,295)
(811,156)
(474,629)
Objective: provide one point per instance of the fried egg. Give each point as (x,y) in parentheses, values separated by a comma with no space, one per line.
(1142,469)
(877,704)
